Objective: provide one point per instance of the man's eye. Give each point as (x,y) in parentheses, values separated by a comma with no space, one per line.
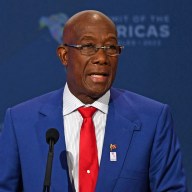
(112,47)
(89,45)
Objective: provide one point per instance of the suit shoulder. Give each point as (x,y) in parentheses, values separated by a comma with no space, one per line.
(39,100)
(135,100)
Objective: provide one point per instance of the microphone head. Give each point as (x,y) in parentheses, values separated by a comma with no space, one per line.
(52,134)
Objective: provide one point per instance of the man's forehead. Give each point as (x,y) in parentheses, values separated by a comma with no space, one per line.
(95,33)
(102,23)
(91,28)
(89,22)
(90,36)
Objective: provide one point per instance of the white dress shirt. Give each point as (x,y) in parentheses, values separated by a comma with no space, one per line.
(72,125)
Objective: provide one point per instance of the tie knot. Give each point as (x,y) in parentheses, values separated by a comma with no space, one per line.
(87,112)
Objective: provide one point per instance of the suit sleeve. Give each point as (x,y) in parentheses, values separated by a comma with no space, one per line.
(10,172)
(166,170)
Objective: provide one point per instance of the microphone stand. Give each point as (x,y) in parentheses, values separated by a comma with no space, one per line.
(47,180)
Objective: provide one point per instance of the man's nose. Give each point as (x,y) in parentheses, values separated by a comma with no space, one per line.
(100,57)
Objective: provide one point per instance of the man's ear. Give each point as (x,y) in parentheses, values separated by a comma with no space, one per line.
(62,54)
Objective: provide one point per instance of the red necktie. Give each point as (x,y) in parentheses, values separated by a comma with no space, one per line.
(88,159)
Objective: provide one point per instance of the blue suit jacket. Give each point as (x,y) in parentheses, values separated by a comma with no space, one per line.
(148,152)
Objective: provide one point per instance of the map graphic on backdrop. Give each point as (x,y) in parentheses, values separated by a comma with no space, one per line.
(55,25)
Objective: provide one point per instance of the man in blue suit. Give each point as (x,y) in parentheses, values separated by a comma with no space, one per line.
(138,150)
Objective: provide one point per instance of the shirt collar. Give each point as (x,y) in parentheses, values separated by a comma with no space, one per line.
(71,103)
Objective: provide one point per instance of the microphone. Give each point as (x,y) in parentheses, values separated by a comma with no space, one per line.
(52,136)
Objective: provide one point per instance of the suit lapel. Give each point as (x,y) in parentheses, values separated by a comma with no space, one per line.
(121,124)
(50,116)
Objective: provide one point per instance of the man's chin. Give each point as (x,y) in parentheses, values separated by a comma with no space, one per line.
(98,92)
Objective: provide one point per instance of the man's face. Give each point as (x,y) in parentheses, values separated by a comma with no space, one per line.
(89,77)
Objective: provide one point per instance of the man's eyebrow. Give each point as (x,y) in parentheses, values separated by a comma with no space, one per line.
(89,37)
(111,38)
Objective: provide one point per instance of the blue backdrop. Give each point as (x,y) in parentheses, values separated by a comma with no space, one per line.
(156,61)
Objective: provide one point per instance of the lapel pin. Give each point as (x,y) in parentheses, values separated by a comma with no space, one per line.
(113,146)
(113,154)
